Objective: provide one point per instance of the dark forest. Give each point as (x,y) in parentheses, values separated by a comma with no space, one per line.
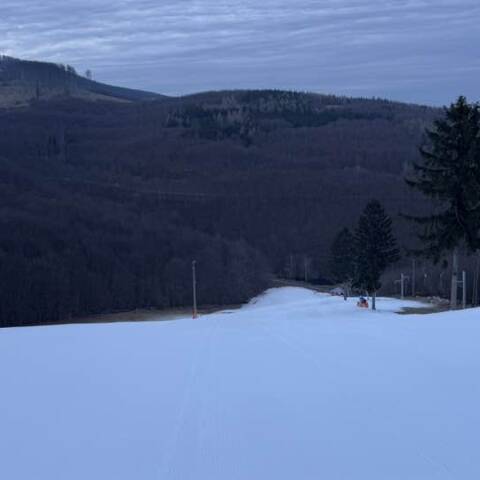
(107,199)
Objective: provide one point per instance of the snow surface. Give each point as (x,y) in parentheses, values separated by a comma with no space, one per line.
(295,385)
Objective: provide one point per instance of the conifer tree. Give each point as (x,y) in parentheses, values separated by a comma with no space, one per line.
(342,265)
(375,246)
(450,175)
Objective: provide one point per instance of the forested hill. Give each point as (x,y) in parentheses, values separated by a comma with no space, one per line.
(105,204)
(23,82)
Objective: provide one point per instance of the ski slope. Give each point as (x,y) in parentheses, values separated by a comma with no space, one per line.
(295,385)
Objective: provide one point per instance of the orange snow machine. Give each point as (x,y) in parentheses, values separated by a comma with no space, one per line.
(362,303)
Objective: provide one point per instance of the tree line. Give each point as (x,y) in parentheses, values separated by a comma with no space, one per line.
(449,175)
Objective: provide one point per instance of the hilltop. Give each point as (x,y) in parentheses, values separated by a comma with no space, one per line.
(23,81)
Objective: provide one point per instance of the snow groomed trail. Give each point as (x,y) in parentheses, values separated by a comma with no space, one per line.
(295,385)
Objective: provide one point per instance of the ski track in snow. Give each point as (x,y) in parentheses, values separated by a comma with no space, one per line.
(294,385)
(311,360)
(186,405)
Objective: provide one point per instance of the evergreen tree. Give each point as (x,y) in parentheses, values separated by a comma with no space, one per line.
(450,175)
(342,265)
(375,246)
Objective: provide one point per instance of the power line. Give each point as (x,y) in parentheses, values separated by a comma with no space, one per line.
(134,190)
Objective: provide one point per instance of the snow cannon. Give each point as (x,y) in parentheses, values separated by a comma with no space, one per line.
(362,303)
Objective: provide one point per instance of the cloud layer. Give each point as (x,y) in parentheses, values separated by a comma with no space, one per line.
(413,50)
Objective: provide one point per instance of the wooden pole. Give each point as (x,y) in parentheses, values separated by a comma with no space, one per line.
(194,285)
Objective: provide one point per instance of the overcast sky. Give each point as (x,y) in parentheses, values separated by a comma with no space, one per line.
(424,51)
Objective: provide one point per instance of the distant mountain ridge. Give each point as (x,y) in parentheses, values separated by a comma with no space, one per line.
(23,81)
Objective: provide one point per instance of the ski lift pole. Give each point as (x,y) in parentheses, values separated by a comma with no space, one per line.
(463,283)
(402,280)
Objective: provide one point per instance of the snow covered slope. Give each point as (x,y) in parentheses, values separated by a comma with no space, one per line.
(296,385)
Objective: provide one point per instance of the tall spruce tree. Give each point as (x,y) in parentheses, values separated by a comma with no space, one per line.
(375,246)
(450,175)
(342,264)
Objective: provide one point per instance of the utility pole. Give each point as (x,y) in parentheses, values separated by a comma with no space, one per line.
(464,289)
(453,292)
(194,285)
(413,276)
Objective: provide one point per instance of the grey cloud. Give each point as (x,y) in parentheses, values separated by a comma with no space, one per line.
(413,50)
